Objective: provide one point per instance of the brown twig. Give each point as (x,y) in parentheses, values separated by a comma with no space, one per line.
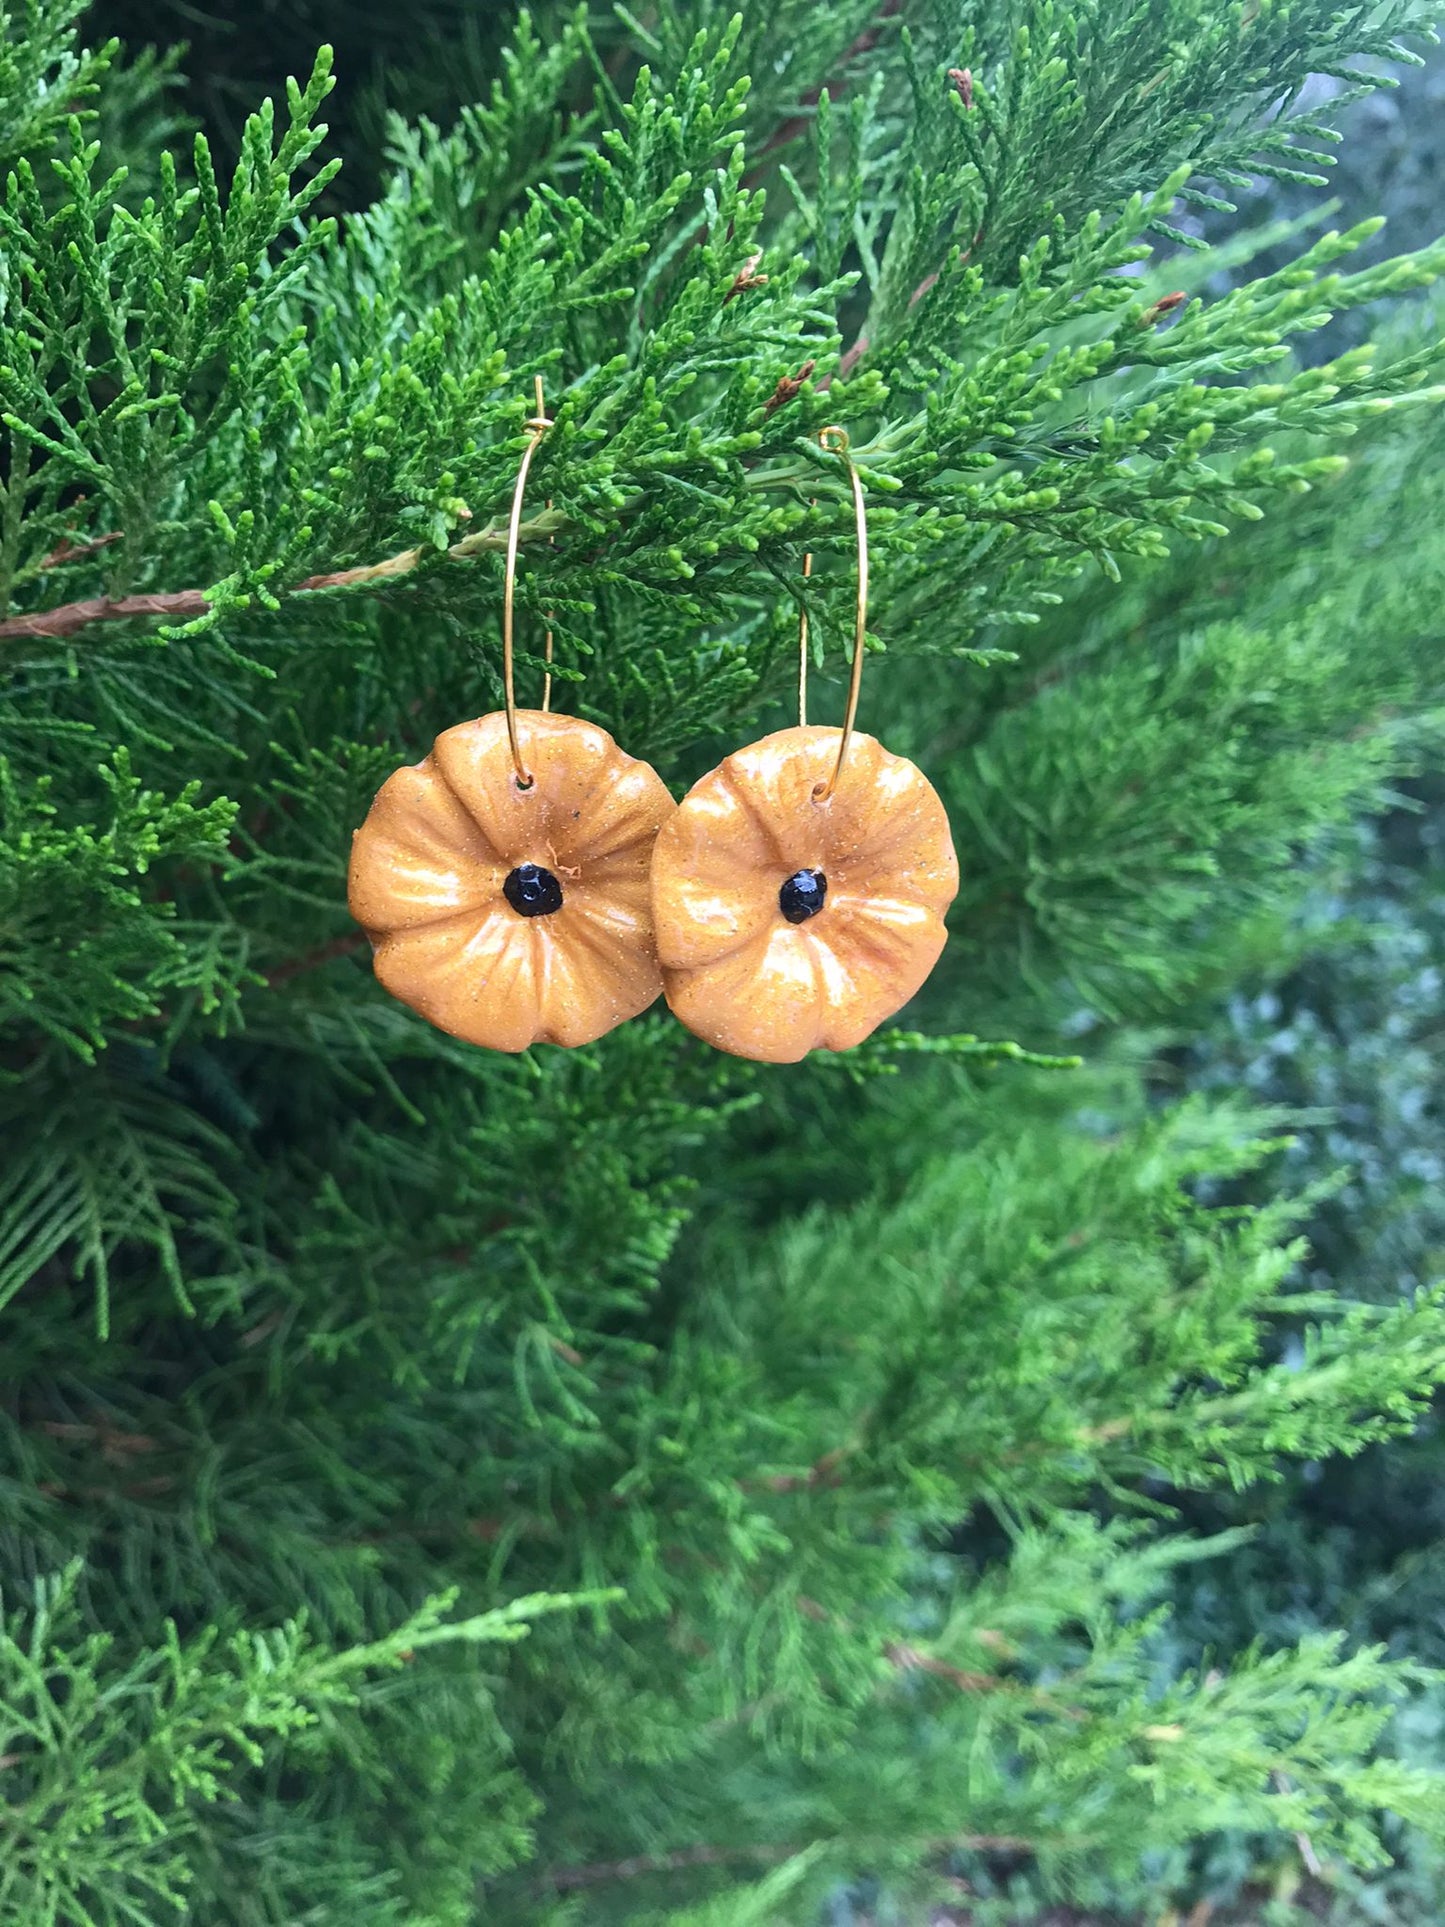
(394,565)
(257,1334)
(184,605)
(911,1659)
(962,79)
(1301,1839)
(597,1873)
(342,946)
(444,1534)
(68,551)
(116,1446)
(928,281)
(849,361)
(91,1494)
(181,606)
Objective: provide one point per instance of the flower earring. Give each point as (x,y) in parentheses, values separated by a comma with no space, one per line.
(503,880)
(798,892)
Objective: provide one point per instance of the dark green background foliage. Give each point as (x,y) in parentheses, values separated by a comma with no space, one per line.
(631,1484)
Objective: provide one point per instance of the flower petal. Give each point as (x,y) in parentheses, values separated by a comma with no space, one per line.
(419,857)
(716,828)
(715,875)
(595,969)
(775,778)
(565,758)
(475,977)
(761,1002)
(923,873)
(699,922)
(872,957)
(621,914)
(615,827)
(886,821)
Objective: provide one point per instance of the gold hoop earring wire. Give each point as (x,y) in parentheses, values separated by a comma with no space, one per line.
(803,642)
(536,429)
(548,646)
(834,441)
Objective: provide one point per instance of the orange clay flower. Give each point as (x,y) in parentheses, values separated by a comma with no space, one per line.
(513,916)
(786,922)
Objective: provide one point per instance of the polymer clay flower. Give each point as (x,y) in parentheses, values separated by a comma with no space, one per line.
(787,921)
(507,915)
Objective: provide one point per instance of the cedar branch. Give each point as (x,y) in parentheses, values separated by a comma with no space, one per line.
(184,605)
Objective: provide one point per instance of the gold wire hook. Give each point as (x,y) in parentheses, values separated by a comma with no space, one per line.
(548,645)
(803,643)
(834,441)
(536,429)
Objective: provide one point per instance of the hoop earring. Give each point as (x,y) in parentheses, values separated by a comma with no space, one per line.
(503,880)
(798,893)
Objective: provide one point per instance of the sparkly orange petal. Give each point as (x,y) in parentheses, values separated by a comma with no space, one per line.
(592,976)
(419,856)
(872,959)
(717,818)
(775,779)
(615,920)
(475,977)
(703,921)
(885,817)
(762,1002)
(565,759)
(922,872)
(612,832)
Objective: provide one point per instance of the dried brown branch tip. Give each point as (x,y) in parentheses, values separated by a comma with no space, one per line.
(962,78)
(1165,305)
(747,278)
(788,387)
(68,551)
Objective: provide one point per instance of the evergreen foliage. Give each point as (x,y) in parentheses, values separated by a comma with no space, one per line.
(1346,1039)
(818,1422)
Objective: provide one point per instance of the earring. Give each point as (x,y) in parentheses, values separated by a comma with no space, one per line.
(798,892)
(503,880)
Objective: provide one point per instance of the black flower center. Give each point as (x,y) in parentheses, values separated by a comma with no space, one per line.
(532,891)
(802,895)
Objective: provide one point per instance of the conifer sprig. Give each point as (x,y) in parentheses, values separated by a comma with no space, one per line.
(45,77)
(649,476)
(315,1314)
(98,1748)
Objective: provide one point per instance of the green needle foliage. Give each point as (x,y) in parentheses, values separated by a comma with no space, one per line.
(105,1831)
(822,1424)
